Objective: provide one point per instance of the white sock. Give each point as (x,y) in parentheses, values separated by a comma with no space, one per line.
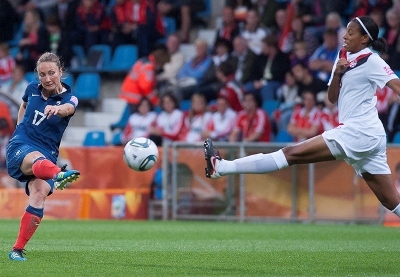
(258,163)
(396,210)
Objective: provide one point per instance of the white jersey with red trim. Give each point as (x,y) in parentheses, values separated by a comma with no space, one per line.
(170,124)
(357,98)
(138,126)
(196,125)
(221,125)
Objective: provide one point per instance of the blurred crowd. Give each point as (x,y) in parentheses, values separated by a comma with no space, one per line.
(265,53)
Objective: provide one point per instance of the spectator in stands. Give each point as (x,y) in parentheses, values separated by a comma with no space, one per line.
(231,89)
(60,42)
(334,21)
(211,84)
(313,13)
(193,72)
(89,21)
(7,63)
(364,7)
(45,7)
(267,10)
(306,81)
(392,36)
(8,21)
(229,28)
(322,60)
(385,97)
(269,70)
(281,18)
(379,17)
(240,8)
(35,40)
(65,11)
(288,95)
(136,21)
(397,176)
(244,60)
(393,124)
(15,87)
(168,75)
(329,115)
(139,123)
(299,54)
(6,130)
(305,121)
(169,122)
(253,32)
(252,122)
(183,11)
(141,80)
(196,119)
(222,121)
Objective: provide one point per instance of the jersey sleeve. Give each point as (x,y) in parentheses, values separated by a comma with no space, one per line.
(73,100)
(382,72)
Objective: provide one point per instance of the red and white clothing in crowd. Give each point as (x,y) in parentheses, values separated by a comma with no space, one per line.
(138,126)
(382,98)
(301,119)
(233,92)
(194,125)
(170,124)
(258,122)
(7,65)
(221,125)
(329,118)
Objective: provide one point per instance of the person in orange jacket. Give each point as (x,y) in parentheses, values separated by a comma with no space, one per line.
(141,80)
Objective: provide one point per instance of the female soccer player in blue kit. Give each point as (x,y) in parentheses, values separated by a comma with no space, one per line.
(359,139)
(33,149)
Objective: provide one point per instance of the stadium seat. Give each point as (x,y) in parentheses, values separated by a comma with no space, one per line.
(69,80)
(270,106)
(185,105)
(98,56)
(122,121)
(87,88)
(283,136)
(397,72)
(95,138)
(125,55)
(14,51)
(169,24)
(396,138)
(31,76)
(78,56)
(206,14)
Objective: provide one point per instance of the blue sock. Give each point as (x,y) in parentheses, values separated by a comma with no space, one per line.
(35,211)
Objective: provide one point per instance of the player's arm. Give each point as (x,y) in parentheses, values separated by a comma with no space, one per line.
(334,87)
(21,111)
(394,84)
(63,110)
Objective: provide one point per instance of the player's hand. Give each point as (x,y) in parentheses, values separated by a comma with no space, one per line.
(50,110)
(341,66)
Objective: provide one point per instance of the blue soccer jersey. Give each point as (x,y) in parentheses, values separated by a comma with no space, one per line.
(38,130)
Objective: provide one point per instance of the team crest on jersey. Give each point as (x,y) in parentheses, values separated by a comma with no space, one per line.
(353,63)
(58,103)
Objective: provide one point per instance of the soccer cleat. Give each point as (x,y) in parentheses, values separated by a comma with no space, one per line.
(64,177)
(17,255)
(212,158)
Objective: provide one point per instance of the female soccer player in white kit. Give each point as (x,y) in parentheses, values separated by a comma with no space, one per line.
(360,138)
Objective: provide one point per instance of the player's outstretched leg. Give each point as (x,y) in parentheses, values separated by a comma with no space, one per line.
(213,158)
(17,255)
(64,177)
(253,164)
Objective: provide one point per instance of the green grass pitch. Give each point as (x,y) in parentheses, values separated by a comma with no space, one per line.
(186,248)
